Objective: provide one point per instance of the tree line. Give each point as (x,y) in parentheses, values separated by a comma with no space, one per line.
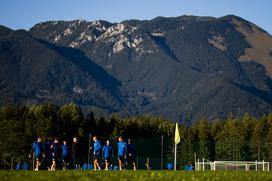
(21,125)
(238,139)
(245,138)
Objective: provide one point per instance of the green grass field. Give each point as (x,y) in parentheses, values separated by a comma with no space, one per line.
(134,175)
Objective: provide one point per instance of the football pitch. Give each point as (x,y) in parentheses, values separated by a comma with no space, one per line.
(135,175)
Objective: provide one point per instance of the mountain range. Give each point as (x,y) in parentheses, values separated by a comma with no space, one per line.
(181,68)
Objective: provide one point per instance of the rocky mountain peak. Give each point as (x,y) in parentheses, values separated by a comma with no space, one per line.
(181,68)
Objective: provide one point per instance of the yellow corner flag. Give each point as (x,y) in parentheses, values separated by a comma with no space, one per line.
(177,136)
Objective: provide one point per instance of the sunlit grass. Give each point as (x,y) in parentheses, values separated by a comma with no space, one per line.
(134,175)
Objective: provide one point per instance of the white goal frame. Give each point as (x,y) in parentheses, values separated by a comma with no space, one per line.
(231,165)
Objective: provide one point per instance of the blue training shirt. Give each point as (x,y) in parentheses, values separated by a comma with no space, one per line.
(107,151)
(122,148)
(131,149)
(37,147)
(47,149)
(97,147)
(55,149)
(65,150)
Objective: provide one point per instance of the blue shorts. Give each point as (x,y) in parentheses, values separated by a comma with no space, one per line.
(96,156)
(65,159)
(121,157)
(38,157)
(108,159)
(54,157)
(130,159)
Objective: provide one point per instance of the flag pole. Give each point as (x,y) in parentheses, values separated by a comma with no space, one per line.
(176,141)
(175,158)
(89,149)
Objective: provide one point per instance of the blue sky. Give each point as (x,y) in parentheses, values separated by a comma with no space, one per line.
(18,14)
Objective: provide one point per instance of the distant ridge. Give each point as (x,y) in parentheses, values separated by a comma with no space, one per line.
(182,68)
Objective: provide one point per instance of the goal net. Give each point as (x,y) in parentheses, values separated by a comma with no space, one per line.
(231,165)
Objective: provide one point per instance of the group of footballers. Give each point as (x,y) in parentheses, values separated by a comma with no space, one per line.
(53,152)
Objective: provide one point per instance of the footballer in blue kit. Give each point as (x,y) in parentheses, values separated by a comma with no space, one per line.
(107,153)
(122,152)
(65,155)
(37,148)
(48,153)
(55,154)
(131,154)
(96,153)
